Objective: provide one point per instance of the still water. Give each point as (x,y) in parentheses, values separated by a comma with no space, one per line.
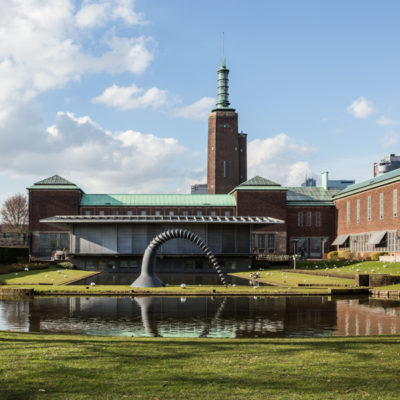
(189,278)
(230,317)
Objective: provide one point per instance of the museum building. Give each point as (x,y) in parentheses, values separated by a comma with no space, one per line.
(237,217)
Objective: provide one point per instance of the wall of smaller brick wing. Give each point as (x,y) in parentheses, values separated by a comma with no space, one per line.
(263,204)
(48,203)
(389,221)
(327,222)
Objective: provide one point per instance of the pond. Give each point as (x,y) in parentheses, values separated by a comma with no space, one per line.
(229,317)
(189,278)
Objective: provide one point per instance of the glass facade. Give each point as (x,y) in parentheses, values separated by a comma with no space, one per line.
(358,243)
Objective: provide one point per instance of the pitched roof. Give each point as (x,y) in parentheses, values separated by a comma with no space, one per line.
(259,181)
(380,180)
(309,195)
(160,200)
(55,182)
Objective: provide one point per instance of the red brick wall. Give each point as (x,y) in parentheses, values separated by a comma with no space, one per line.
(222,145)
(48,203)
(389,222)
(263,204)
(328,222)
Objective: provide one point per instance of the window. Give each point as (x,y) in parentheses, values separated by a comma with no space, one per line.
(395,203)
(224,167)
(381,206)
(348,212)
(101,212)
(271,242)
(199,213)
(260,241)
(87,212)
(185,213)
(158,213)
(318,218)
(171,213)
(64,241)
(358,211)
(309,218)
(142,212)
(115,212)
(300,218)
(213,214)
(129,212)
(224,125)
(227,213)
(369,208)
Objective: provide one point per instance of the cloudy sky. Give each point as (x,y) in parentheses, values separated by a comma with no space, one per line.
(114,94)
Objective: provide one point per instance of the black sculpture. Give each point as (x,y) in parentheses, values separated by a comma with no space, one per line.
(148,277)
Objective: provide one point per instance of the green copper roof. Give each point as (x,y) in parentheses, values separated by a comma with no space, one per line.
(259,181)
(308,194)
(154,200)
(55,180)
(384,179)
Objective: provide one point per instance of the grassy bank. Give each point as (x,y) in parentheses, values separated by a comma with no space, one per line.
(40,366)
(189,290)
(285,278)
(51,276)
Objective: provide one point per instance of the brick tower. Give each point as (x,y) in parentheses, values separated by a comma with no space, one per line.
(227,149)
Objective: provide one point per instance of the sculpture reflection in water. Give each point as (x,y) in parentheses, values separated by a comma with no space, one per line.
(147,311)
(148,277)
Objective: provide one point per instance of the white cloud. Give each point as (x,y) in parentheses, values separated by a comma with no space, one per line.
(280,159)
(41,49)
(198,110)
(103,161)
(384,121)
(132,97)
(360,108)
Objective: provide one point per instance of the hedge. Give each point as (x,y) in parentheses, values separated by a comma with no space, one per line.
(9,255)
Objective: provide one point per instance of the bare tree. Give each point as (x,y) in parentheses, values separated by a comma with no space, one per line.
(14,213)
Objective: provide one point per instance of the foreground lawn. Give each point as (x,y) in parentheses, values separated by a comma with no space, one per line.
(286,278)
(389,287)
(51,276)
(42,366)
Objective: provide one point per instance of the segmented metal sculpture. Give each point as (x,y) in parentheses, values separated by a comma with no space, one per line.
(148,277)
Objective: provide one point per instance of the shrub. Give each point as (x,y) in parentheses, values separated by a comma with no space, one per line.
(345,255)
(332,256)
(66,265)
(375,256)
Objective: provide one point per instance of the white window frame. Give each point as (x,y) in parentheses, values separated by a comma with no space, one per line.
(318,218)
(395,203)
(348,212)
(369,209)
(380,205)
(358,211)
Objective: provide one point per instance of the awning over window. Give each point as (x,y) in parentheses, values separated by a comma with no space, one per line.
(377,237)
(340,240)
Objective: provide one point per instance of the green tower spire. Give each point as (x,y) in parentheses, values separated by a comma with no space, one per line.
(223,86)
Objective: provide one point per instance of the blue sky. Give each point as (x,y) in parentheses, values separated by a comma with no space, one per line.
(114,95)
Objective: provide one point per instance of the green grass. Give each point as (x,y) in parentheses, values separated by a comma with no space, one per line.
(285,278)
(54,367)
(173,290)
(351,267)
(389,287)
(49,276)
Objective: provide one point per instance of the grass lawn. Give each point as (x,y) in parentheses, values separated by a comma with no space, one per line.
(49,276)
(354,267)
(45,366)
(389,287)
(173,290)
(285,278)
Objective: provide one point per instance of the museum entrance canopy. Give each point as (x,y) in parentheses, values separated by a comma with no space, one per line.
(68,220)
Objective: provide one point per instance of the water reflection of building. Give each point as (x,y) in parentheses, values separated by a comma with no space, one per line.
(372,317)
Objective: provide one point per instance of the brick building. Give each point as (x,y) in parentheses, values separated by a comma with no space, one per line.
(237,218)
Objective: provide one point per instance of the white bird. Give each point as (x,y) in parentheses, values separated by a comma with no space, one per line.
(92,284)
(183,285)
